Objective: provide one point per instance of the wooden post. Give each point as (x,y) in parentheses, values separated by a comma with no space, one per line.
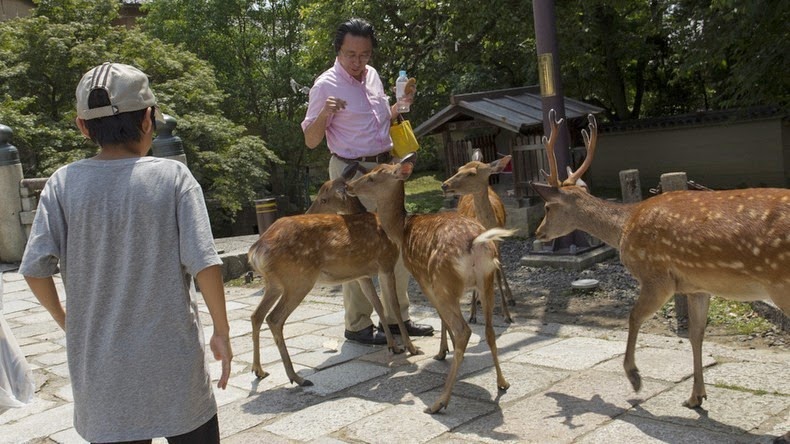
(630,187)
(677,182)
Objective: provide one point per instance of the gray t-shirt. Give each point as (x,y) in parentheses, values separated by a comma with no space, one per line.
(128,235)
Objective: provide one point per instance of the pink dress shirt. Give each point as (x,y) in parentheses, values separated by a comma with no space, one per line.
(363,127)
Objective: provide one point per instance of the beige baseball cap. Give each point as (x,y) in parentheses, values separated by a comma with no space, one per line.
(126,86)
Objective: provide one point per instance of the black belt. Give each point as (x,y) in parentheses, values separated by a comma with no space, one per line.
(384,157)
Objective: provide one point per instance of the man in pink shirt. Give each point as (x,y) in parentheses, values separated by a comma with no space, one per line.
(348,106)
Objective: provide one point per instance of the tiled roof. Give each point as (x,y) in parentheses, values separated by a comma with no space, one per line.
(514,109)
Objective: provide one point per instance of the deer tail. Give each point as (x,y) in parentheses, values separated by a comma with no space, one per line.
(494,234)
(257,256)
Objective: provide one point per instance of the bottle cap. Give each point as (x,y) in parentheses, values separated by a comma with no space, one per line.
(403,73)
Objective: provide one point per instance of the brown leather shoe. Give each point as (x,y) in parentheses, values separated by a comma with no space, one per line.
(367,335)
(411,328)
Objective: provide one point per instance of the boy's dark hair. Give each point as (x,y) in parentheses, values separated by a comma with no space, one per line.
(118,129)
(356,27)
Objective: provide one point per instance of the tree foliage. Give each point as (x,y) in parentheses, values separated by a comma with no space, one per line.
(254,47)
(638,58)
(42,59)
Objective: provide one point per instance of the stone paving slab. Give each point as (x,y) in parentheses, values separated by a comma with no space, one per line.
(725,410)
(325,418)
(659,363)
(567,384)
(562,412)
(630,428)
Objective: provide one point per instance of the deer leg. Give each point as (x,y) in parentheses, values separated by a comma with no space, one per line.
(276,319)
(442,354)
(370,293)
(507,296)
(388,289)
(270,295)
(443,349)
(651,298)
(698,315)
(473,308)
(510,300)
(461,333)
(488,311)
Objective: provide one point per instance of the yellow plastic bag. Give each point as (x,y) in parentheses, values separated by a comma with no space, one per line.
(403,139)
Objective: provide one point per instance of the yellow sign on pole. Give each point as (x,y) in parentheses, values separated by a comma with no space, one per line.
(546,66)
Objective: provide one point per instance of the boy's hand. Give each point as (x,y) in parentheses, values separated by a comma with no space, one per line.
(220,346)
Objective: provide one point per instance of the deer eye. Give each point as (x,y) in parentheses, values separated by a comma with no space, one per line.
(323,201)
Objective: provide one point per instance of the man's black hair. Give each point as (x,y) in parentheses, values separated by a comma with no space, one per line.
(356,27)
(118,129)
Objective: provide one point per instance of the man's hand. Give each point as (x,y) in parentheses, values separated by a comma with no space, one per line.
(333,105)
(220,346)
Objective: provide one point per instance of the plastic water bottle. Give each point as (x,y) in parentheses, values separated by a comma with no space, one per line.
(400,92)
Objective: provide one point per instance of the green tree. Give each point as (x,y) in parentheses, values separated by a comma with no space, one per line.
(638,58)
(734,51)
(254,47)
(44,56)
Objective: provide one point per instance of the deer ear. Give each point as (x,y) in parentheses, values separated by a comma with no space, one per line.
(404,170)
(547,192)
(498,165)
(350,171)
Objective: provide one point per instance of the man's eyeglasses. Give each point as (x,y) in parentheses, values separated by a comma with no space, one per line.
(363,57)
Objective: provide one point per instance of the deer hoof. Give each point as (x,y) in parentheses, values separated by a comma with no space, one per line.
(695,401)
(508,320)
(473,319)
(503,387)
(440,356)
(635,379)
(436,407)
(396,350)
(303,383)
(259,373)
(414,351)
(784,439)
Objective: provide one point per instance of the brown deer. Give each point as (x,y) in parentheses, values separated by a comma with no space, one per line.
(480,201)
(446,253)
(297,252)
(733,244)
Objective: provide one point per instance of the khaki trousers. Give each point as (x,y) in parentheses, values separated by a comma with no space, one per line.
(358,309)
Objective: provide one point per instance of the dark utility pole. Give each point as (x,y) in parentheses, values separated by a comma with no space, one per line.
(550,83)
(553,98)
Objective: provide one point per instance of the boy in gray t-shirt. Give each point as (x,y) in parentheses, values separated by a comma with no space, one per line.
(128,231)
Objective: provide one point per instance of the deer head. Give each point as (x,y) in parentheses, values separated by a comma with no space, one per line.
(473,177)
(332,196)
(561,197)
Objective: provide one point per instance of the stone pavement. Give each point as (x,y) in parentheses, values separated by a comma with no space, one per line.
(567,384)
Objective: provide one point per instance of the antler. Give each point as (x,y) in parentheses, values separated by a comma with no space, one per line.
(553,177)
(590,139)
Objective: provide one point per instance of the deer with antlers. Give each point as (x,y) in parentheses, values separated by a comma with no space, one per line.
(446,253)
(480,201)
(297,252)
(733,244)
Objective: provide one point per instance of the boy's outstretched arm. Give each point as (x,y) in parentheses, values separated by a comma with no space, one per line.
(46,293)
(211,286)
